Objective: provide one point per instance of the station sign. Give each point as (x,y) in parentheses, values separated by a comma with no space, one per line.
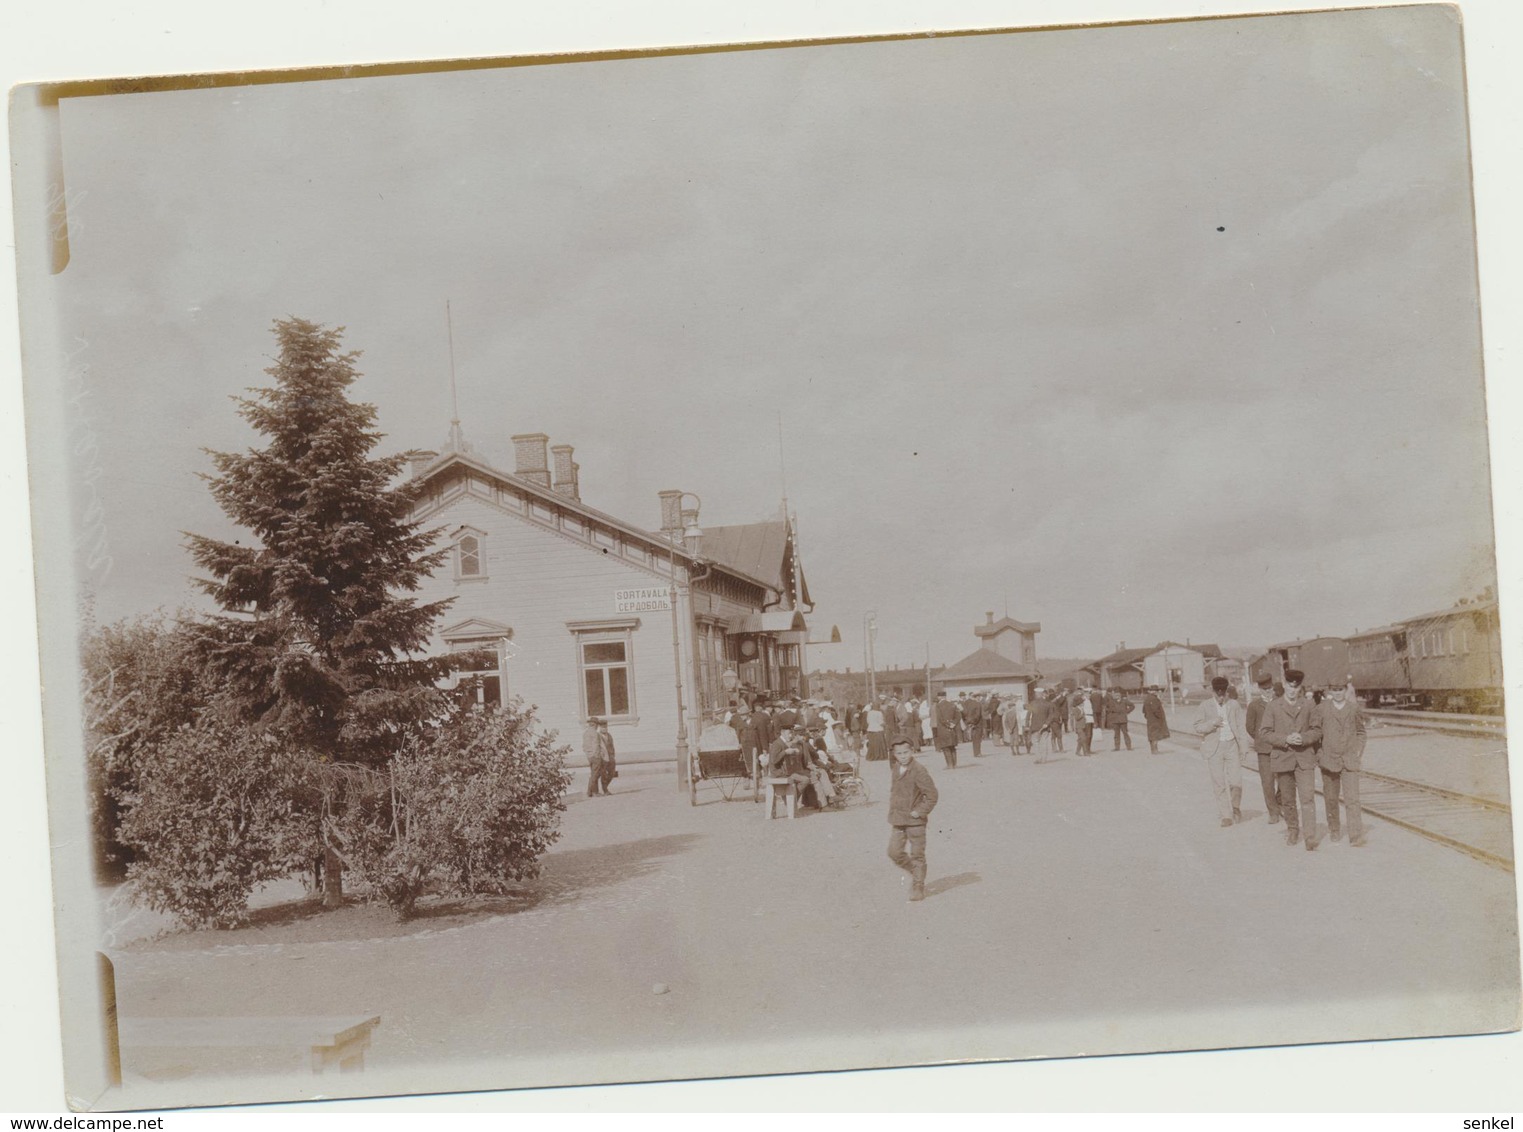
(645,600)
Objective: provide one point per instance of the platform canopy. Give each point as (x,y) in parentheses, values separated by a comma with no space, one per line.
(770,621)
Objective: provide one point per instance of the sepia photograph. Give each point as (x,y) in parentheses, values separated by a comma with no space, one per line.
(570,561)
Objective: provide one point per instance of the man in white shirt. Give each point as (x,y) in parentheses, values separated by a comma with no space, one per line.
(1083,719)
(1223,729)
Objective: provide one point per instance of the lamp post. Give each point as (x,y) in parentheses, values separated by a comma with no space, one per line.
(690,533)
(871,658)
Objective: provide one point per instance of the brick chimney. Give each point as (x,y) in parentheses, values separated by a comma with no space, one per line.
(529,457)
(418,459)
(565,471)
(671,510)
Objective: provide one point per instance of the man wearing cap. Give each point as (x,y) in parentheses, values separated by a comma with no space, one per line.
(787,759)
(1224,737)
(1261,748)
(1117,708)
(1341,756)
(1289,728)
(911,799)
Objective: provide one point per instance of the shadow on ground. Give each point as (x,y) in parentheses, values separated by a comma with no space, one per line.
(575,872)
(947,884)
(566,877)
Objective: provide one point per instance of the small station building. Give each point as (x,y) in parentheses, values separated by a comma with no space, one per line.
(591,615)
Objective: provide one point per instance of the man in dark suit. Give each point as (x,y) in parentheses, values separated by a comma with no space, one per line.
(1117,708)
(973,721)
(1040,726)
(748,731)
(1261,747)
(947,719)
(1289,728)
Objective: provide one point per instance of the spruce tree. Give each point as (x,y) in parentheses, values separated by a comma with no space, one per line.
(319,642)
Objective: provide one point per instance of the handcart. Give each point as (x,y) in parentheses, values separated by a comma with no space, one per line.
(717,758)
(850,786)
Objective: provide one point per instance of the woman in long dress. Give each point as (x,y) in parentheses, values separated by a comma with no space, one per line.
(1158,724)
(877,743)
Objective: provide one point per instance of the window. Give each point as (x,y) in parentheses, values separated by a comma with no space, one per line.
(605,667)
(605,677)
(469,550)
(470,554)
(480,685)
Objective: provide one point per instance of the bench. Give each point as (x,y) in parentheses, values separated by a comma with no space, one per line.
(332,1040)
(789,791)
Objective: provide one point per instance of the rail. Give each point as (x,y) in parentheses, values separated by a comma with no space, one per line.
(1489,725)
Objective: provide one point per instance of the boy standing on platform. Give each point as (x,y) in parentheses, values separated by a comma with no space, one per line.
(910,802)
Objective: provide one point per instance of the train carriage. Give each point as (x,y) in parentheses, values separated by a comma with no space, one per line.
(1379,670)
(1445,661)
(1323,660)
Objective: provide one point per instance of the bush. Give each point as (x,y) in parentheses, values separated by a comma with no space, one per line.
(467,806)
(142,685)
(219,809)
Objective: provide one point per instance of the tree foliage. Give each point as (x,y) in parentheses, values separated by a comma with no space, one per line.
(321,641)
(305,718)
(465,807)
(142,683)
(218,810)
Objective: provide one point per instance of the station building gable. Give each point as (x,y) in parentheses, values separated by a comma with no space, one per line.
(577,607)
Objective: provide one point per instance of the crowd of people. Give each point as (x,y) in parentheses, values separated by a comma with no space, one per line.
(1294,735)
(1038,726)
(1032,727)
(800,740)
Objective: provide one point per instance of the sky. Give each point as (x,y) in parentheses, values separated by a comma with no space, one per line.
(1142,333)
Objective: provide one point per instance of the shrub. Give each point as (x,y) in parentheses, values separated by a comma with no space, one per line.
(466,806)
(142,684)
(219,809)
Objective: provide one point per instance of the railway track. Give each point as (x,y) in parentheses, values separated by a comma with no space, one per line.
(1478,827)
(1490,726)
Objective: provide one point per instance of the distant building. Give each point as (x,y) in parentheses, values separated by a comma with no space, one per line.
(1121,669)
(1164,665)
(576,605)
(1005,661)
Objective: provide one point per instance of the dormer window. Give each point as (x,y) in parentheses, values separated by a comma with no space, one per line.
(470,554)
